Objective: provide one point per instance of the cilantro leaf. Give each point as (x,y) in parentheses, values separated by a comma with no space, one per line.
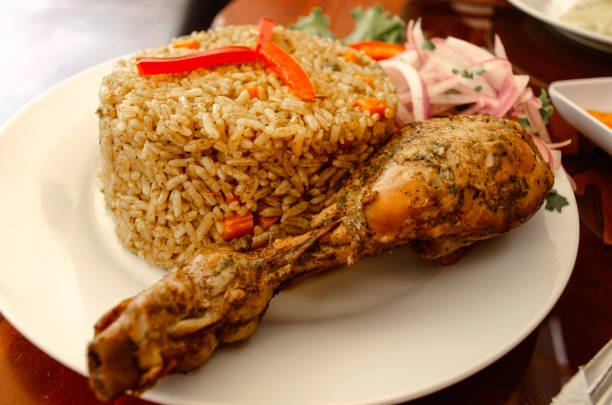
(547,109)
(524,122)
(555,201)
(315,23)
(428,45)
(467,74)
(375,24)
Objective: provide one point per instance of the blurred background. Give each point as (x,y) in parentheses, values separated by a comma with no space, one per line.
(38,38)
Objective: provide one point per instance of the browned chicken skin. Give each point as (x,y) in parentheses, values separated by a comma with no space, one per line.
(436,186)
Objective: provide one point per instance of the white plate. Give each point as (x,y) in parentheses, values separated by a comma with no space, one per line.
(550,11)
(573,97)
(391,329)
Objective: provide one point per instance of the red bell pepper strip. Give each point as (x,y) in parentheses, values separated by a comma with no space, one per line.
(275,58)
(196,60)
(373,105)
(237,226)
(266,222)
(283,64)
(288,69)
(378,50)
(266,26)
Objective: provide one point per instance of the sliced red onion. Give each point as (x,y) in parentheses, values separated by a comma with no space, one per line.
(443,86)
(415,37)
(409,56)
(498,48)
(456,72)
(558,145)
(496,71)
(545,152)
(470,52)
(452,99)
(403,115)
(508,94)
(521,82)
(532,108)
(418,89)
(447,58)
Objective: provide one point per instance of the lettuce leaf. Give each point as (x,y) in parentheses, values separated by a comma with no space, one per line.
(315,23)
(377,25)
(372,24)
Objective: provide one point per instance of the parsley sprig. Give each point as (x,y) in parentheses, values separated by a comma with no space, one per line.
(555,201)
(372,23)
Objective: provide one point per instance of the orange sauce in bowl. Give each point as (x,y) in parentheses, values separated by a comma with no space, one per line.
(605,117)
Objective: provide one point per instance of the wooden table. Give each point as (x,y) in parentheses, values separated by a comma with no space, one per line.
(578,325)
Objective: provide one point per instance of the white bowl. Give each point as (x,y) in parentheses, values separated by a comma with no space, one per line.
(573,97)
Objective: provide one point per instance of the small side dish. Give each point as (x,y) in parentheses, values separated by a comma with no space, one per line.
(575,98)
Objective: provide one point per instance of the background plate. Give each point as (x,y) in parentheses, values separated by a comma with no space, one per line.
(550,12)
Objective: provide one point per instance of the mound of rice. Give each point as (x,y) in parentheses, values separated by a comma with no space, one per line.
(182,152)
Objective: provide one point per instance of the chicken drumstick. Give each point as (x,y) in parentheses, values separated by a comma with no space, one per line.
(436,186)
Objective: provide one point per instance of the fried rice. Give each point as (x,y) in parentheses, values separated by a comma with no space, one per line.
(182,152)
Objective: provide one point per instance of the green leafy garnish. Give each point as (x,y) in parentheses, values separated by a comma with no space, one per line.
(481,71)
(428,45)
(478,89)
(467,74)
(455,70)
(524,122)
(547,109)
(315,23)
(374,24)
(555,201)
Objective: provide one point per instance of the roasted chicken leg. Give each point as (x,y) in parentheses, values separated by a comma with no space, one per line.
(436,186)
